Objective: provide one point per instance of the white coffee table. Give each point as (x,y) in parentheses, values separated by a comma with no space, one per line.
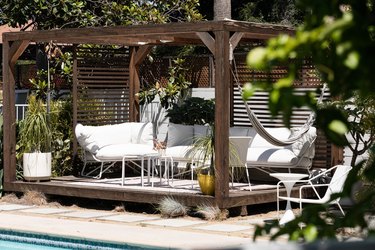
(288,179)
(142,157)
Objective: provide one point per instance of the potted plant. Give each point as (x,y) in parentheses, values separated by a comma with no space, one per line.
(35,141)
(203,153)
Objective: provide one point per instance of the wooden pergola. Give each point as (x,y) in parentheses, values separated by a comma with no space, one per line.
(220,37)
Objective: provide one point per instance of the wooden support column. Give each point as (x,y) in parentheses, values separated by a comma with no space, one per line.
(11,52)
(75,99)
(222,97)
(136,58)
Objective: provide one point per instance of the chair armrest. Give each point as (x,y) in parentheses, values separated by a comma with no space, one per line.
(313,186)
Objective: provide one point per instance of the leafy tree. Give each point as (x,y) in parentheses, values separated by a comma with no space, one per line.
(50,14)
(338,36)
(271,11)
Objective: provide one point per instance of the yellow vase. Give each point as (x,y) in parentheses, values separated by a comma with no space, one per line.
(207,183)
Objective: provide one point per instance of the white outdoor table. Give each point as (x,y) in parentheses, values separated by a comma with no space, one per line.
(288,179)
(142,157)
(166,159)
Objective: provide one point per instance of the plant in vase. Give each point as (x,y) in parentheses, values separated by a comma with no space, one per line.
(203,155)
(35,141)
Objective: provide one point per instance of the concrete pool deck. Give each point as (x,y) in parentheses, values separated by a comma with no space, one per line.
(134,228)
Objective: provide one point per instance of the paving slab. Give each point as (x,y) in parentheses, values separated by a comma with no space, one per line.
(86,214)
(174,222)
(46,210)
(10,207)
(120,232)
(224,227)
(128,218)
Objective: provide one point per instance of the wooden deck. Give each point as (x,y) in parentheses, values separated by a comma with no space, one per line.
(132,191)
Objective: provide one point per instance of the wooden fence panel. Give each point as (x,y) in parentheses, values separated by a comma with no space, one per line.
(102,85)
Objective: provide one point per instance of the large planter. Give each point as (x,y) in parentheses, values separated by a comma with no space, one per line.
(37,166)
(207,183)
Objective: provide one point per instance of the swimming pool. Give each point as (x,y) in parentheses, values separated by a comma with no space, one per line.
(11,240)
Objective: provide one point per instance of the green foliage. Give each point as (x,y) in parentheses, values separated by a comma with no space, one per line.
(360,113)
(271,11)
(194,110)
(61,121)
(203,152)
(53,14)
(35,133)
(339,38)
(172,92)
(39,84)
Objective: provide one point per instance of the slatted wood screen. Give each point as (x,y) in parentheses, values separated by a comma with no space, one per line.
(259,103)
(102,85)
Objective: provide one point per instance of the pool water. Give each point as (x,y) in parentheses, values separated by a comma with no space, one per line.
(11,245)
(11,240)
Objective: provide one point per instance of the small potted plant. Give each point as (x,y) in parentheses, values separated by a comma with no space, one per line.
(203,153)
(35,141)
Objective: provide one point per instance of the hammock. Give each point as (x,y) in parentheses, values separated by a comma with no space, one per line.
(270,138)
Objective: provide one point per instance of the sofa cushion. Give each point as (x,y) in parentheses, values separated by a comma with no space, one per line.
(239,131)
(180,135)
(179,152)
(118,151)
(266,156)
(200,130)
(304,143)
(92,138)
(141,133)
(279,133)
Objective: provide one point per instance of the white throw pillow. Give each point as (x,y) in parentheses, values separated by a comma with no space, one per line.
(238,131)
(200,130)
(279,133)
(92,138)
(179,135)
(302,144)
(141,133)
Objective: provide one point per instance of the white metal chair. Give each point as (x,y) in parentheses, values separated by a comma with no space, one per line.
(240,144)
(336,185)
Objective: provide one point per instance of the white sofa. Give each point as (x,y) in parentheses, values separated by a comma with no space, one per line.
(110,143)
(261,154)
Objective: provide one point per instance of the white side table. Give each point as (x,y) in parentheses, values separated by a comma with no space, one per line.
(147,156)
(288,179)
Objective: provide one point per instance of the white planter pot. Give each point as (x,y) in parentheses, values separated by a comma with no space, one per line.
(37,166)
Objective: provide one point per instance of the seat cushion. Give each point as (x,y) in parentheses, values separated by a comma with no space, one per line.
(179,152)
(271,157)
(118,151)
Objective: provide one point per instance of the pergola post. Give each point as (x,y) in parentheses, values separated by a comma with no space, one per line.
(11,52)
(222,98)
(136,58)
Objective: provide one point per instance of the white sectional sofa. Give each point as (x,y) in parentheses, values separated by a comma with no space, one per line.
(110,143)
(261,154)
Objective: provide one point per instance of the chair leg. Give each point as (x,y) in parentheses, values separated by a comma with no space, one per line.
(192,176)
(277,203)
(342,211)
(248,178)
(232,177)
(83,169)
(101,170)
